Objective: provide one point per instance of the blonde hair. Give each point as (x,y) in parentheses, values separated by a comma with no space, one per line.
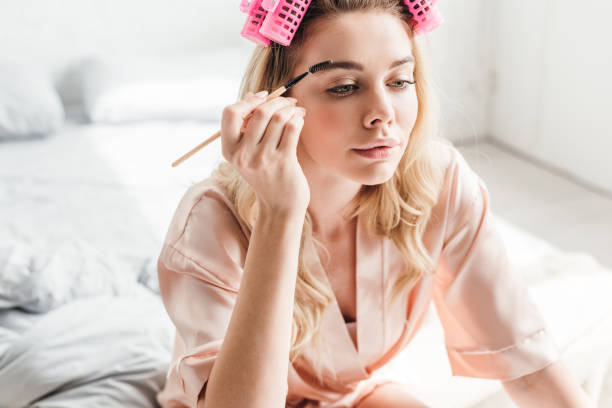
(399,208)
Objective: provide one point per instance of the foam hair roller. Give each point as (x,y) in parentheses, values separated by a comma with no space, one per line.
(278,20)
(425,14)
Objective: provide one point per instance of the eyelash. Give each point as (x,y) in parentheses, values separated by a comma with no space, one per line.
(334,90)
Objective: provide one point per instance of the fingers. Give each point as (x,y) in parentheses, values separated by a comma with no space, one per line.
(259,125)
(291,135)
(266,114)
(273,133)
(234,115)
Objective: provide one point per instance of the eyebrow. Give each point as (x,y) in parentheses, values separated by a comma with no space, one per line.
(359,67)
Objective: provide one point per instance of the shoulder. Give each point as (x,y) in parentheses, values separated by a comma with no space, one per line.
(463,194)
(448,157)
(460,181)
(204,204)
(206,236)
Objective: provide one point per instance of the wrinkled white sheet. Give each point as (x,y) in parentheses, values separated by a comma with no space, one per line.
(101,351)
(83,214)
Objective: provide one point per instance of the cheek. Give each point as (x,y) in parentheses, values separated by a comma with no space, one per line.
(408,114)
(327,116)
(323,126)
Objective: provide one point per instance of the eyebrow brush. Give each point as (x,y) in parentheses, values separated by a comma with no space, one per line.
(313,69)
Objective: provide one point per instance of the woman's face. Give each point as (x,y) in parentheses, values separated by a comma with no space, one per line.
(347,109)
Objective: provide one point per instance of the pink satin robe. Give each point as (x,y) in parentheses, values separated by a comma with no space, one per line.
(492,328)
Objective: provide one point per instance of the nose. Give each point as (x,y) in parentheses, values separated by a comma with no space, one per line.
(380,112)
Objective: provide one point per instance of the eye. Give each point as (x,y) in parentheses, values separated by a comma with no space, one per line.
(404,83)
(343,89)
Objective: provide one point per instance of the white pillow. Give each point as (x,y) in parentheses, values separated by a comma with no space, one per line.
(183,87)
(29,103)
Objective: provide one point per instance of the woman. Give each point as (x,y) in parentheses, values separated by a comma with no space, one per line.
(302,264)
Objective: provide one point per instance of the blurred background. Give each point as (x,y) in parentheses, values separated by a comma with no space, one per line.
(524,90)
(97,98)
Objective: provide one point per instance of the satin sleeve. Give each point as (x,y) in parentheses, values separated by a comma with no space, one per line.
(492,327)
(199,270)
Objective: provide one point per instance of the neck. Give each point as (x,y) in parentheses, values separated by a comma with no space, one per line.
(329,208)
(330,197)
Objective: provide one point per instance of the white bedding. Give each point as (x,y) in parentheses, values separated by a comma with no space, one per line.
(83,214)
(100,351)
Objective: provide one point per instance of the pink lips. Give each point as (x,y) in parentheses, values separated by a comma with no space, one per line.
(377,149)
(376,152)
(379,143)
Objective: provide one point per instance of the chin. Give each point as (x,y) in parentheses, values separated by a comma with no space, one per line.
(376,182)
(375,179)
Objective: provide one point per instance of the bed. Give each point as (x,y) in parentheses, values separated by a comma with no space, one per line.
(83,214)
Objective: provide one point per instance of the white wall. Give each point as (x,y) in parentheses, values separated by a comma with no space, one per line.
(58,33)
(553,65)
(56,30)
(460,49)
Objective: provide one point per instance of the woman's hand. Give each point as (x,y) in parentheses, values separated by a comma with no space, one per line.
(259,138)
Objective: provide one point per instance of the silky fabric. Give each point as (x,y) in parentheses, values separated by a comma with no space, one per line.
(492,327)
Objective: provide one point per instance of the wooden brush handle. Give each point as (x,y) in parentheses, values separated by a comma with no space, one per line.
(195,149)
(190,153)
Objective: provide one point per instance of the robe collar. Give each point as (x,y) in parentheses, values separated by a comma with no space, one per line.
(381,330)
(343,358)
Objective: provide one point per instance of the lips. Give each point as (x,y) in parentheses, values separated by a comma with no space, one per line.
(379,143)
(376,152)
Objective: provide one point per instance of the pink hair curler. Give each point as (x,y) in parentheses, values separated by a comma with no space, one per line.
(426,15)
(257,14)
(276,20)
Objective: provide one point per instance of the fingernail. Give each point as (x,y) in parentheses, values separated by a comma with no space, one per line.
(290,99)
(261,94)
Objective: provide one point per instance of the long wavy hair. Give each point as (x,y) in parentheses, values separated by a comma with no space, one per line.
(398,208)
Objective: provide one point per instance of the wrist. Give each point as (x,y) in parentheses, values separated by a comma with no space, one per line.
(286,214)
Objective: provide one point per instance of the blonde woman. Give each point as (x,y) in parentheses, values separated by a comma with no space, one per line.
(303,263)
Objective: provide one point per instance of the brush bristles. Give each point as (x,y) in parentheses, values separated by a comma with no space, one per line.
(312,69)
(318,67)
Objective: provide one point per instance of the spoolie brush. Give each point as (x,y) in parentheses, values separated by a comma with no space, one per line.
(312,70)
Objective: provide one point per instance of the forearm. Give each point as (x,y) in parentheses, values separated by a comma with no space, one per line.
(553,387)
(251,368)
